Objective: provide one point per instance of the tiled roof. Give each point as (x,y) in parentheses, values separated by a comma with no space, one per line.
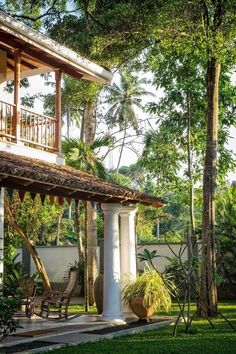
(23,173)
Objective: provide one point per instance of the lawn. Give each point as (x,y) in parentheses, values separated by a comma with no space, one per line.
(202,339)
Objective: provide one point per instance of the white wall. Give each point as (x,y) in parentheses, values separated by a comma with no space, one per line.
(56,260)
(162,250)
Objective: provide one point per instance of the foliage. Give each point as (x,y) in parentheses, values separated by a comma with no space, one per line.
(145,224)
(7,309)
(83,157)
(154,289)
(145,233)
(34,11)
(75,94)
(174,236)
(137,175)
(119,178)
(173,218)
(181,116)
(123,99)
(226,233)
(39,221)
(175,270)
(12,272)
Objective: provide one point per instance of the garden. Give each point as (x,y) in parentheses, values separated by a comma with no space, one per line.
(165,126)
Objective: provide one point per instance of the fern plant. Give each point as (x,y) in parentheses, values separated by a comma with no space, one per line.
(156,290)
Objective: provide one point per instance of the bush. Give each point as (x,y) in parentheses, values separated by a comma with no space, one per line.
(12,272)
(7,309)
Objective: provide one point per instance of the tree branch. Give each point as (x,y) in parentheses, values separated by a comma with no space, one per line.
(25,17)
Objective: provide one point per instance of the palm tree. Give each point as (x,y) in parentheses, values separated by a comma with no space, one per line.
(123,99)
(82,156)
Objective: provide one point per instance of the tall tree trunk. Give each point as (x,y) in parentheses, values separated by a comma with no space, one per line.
(208,269)
(92,266)
(82,127)
(86,274)
(92,248)
(121,150)
(68,122)
(38,263)
(58,230)
(78,232)
(192,236)
(89,123)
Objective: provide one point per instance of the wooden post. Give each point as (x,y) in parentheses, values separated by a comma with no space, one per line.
(16,117)
(58,110)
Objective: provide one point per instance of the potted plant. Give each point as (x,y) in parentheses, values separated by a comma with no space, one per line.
(148,293)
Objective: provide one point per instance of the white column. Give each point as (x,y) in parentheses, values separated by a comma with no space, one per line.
(112,309)
(1,236)
(128,248)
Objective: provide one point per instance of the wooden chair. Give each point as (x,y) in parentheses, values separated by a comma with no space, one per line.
(27,291)
(56,303)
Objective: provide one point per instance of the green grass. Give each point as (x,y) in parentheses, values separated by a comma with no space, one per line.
(202,339)
(81,309)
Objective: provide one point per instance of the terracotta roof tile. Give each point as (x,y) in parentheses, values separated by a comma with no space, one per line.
(38,176)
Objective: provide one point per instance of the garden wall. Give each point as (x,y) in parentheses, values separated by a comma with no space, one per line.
(163,251)
(56,259)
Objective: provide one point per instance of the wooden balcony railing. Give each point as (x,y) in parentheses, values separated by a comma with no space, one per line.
(36,130)
(6,120)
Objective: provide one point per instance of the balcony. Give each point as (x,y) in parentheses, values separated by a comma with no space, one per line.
(26,53)
(34,130)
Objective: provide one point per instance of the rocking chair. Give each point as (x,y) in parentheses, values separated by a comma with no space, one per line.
(27,290)
(56,303)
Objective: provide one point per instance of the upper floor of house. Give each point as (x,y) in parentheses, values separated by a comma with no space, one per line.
(25,53)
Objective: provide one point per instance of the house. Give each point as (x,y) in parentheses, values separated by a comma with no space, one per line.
(31,158)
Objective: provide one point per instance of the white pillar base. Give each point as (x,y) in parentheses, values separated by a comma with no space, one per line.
(129,315)
(113,318)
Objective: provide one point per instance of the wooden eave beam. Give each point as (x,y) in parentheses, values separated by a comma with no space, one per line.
(54,63)
(23,62)
(6,47)
(39,55)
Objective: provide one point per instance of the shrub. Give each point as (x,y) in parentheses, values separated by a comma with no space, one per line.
(7,309)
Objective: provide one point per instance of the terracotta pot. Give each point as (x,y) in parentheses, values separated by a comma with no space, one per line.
(98,293)
(136,305)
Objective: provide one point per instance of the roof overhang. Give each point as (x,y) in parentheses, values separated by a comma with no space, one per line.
(41,54)
(23,173)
